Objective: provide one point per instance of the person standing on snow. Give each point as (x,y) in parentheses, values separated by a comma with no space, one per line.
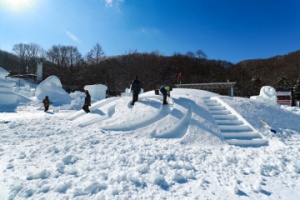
(46,103)
(87,101)
(165,90)
(135,89)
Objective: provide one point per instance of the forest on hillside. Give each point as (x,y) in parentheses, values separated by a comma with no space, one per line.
(75,70)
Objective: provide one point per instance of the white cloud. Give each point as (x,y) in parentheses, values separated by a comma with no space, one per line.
(72,36)
(111,3)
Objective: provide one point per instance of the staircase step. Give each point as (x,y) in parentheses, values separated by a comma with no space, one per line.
(235,128)
(216,108)
(212,104)
(243,135)
(210,100)
(229,122)
(248,143)
(224,117)
(220,112)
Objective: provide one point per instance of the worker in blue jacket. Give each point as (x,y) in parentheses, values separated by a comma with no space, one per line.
(165,90)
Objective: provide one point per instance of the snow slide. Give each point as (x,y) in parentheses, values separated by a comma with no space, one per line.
(94,107)
(162,112)
(179,129)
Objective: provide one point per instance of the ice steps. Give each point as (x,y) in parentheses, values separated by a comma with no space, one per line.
(242,135)
(229,122)
(220,112)
(216,107)
(224,117)
(211,104)
(234,130)
(248,143)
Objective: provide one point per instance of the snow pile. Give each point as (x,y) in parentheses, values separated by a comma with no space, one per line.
(267,95)
(52,88)
(148,151)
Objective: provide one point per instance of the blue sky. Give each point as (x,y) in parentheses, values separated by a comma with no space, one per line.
(231,30)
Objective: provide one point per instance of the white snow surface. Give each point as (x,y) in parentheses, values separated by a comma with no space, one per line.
(147,151)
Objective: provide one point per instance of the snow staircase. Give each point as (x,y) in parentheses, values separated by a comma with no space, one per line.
(234,128)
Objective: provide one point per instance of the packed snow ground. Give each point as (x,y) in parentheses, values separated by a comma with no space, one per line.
(146,151)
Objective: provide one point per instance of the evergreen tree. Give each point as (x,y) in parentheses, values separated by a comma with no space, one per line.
(297,86)
(283,82)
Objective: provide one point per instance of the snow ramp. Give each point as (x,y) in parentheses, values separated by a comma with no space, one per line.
(179,129)
(93,107)
(95,117)
(234,128)
(144,121)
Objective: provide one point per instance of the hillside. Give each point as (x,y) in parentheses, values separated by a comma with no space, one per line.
(155,69)
(271,70)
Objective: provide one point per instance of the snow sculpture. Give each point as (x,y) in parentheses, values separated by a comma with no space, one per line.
(52,88)
(267,95)
(7,96)
(97,92)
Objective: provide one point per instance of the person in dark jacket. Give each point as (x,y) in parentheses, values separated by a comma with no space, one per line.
(87,101)
(165,90)
(46,103)
(136,89)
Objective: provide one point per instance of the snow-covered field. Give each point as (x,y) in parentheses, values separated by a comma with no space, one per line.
(149,150)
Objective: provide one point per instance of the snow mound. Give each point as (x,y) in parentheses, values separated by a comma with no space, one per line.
(52,88)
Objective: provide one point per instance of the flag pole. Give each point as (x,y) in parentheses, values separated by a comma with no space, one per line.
(179,78)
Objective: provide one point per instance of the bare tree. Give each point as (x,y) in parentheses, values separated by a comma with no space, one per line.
(65,59)
(64,56)
(53,55)
(190,54)
(95,55)
(19,49)
(201,54)
(29,55)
